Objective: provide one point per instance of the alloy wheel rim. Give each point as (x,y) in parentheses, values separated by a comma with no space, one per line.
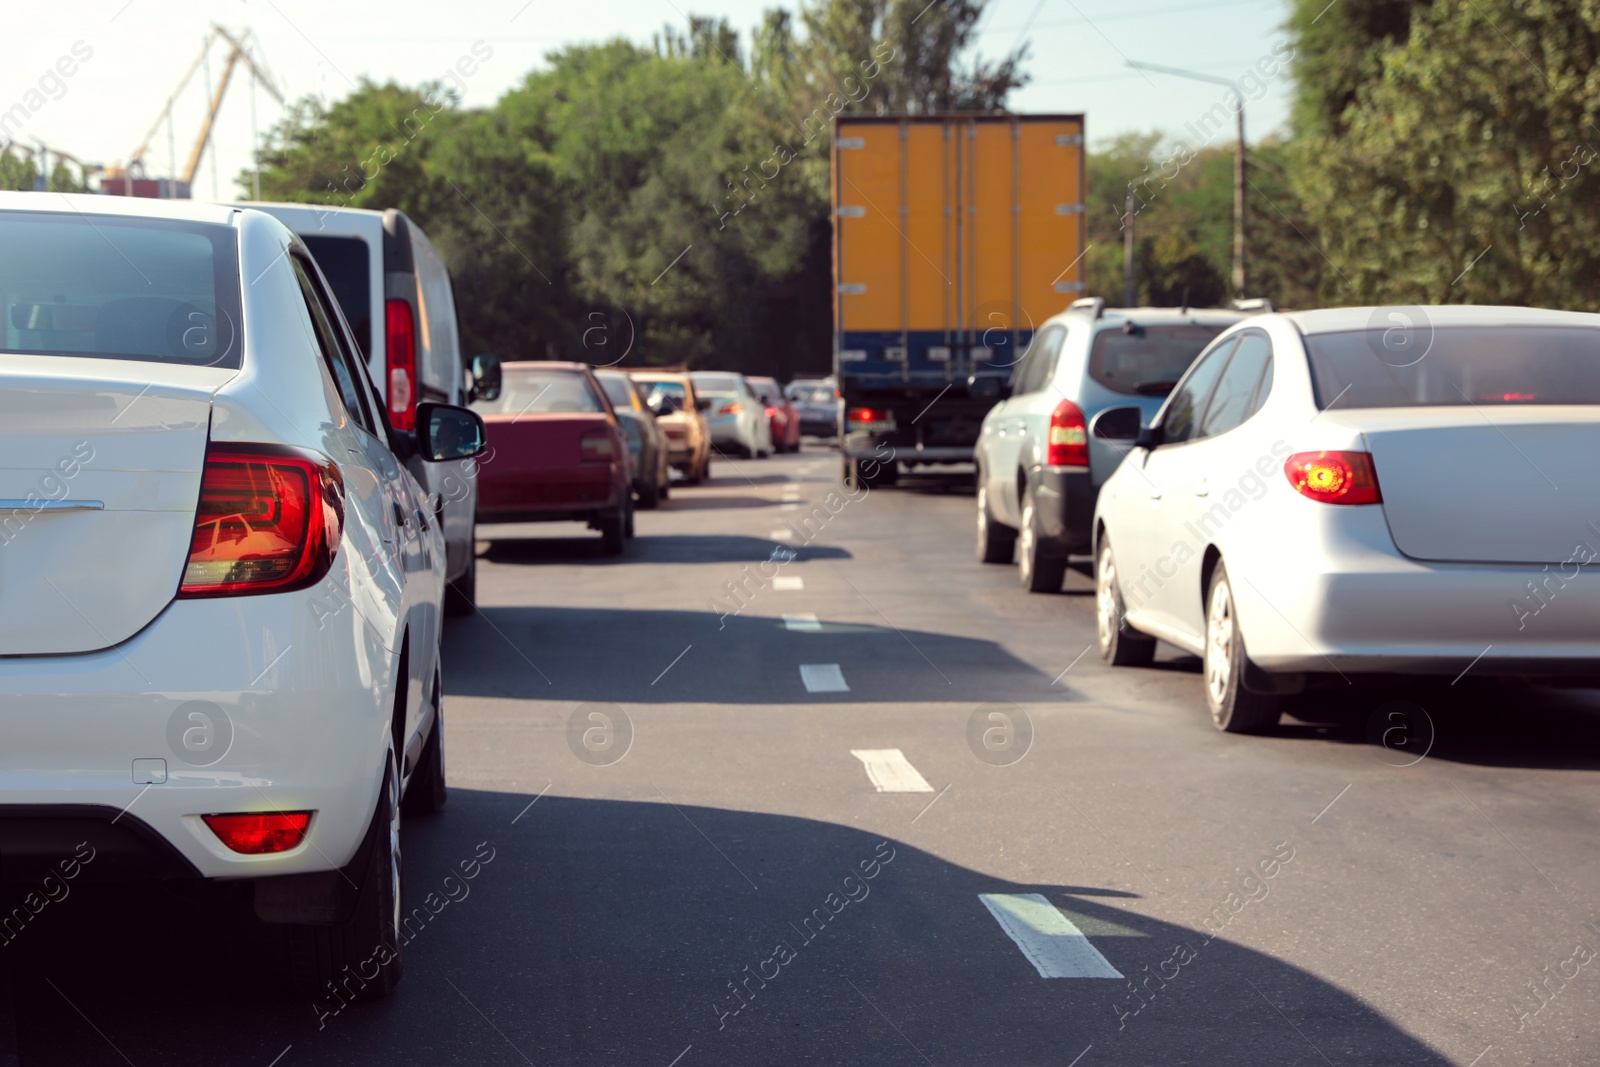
(394,852)
(983,515)
(1025,540)
(1219,645)
(1105,600)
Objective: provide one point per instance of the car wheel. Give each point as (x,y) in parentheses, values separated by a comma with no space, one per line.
(321,956)
(649,495)
(1234,708)
(425,795)
(1120,644)
(461,594)
(997,542)
(1038,572)
(614,531)
(627,527)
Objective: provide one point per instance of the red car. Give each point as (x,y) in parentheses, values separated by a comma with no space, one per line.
(784,415)
(556,453)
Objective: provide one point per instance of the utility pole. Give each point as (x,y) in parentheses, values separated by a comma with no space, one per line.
(1240,277)
(1127,252)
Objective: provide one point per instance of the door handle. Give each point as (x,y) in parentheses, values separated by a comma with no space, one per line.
(1204,489)
(400,515)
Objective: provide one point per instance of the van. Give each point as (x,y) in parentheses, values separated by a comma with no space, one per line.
(396,294)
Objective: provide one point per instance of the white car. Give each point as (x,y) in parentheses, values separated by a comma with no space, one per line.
(735,416)
(1341,496)
(220,588)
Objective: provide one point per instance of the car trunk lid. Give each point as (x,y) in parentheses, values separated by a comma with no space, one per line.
(524,449)
(100,464)
(1487,484)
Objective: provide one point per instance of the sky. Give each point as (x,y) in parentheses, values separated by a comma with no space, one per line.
(137,50)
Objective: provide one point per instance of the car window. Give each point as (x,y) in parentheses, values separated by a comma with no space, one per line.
(618,389)
(1456,366)
(1140,360)
(719,384)
(1040,361)
(155,290)
(332,351)
(347,264)
(531,390)
(1233,399)
(1182,412)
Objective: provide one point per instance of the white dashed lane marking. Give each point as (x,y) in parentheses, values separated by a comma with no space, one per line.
(890,771)
(788,582)
(1049,940)
(785,534)
(804,622)
(823,678)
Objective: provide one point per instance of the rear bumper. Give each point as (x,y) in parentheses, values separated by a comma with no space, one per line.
(552,495)
(860,447)
(266,703)
(1064,498)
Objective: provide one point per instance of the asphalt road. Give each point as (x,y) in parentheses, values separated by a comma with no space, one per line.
(688,866)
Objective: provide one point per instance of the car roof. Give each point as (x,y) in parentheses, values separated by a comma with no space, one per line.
(546,364)
(126,206)
(1343,320)
(1116,318)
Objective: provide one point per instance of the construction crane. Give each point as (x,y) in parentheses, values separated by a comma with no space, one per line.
(237,51)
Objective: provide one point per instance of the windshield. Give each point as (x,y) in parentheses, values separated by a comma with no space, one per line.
(1146,360)
(616,388)
(119,288)
(1457,366)
(716,384)
(532,390)
(347,265)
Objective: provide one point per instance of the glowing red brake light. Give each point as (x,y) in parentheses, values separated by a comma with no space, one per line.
(864,415)
(258,834)
(1334,477)
(401,347)
(1068,444)
(772,413)
(269,520)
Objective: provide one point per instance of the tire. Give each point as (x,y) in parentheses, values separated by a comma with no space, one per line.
(627,528)
(461,594)
(614,531)
(997,543)
(1120,644)
(322,959)
(1234,709)
(1038,572)
(856,476)
(649,495)
(426,795)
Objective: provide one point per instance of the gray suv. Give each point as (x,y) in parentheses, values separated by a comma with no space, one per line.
(1043,451)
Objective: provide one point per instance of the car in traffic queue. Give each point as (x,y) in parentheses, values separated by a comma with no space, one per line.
(1039,463)
(557,453)
(396,293)
(735,416)
(647,444)
(817,401)
(672,398)
(219,655)
(782,416)
(1364,494)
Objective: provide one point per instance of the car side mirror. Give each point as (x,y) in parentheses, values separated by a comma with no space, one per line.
(702,404)
(485,376)
(1149,437)
(988,387)
(446,432)
(657,403)
(1117,424)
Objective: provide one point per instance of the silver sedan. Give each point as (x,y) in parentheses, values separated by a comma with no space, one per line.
(1330,496)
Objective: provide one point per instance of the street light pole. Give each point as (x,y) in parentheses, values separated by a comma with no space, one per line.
(1239,275)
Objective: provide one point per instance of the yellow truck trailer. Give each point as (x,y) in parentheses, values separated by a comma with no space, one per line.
(953,237)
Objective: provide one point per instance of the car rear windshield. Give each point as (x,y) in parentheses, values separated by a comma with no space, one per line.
(1456,366)
(1146,360)
(348,266)
(525,391)
(674,389)
(616,388)
(716,384)
(156,290)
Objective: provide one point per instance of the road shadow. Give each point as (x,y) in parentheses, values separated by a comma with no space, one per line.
(605,932)
(717,657)
(651,548)
(682,502)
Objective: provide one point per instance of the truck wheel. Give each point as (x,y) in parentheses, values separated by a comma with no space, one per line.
(461,594)
(323,958)
(996,542)
(1039,573)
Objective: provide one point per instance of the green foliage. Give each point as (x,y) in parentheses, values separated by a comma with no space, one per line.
(1338,49)
(1475,139)
(669,198)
